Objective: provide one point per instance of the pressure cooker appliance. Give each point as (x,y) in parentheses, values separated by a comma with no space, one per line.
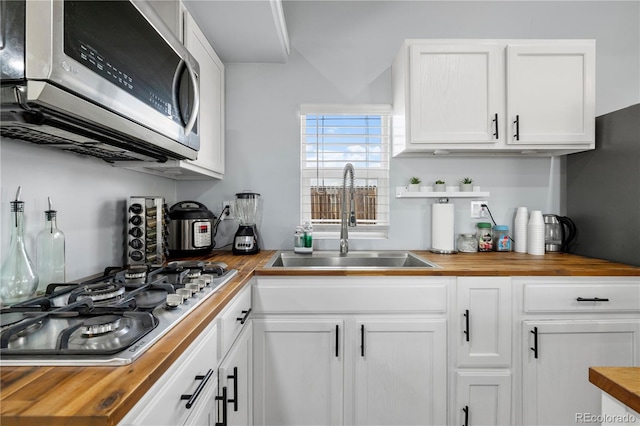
(108,320)
(247,208)
(559,231)
(190,229)
(102,78)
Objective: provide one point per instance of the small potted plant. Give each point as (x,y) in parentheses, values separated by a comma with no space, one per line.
(466,184)
(414,184)
(439,186)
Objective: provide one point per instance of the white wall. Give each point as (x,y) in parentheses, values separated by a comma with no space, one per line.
(341,52)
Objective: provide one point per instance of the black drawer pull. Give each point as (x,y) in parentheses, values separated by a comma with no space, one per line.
(192,398)
(234,376)
(535,342)
(466,320)
(362,340)
(591,299)
(495,120)
(466,415)
(223,398)
(517,123)
(244,317)
(337,340)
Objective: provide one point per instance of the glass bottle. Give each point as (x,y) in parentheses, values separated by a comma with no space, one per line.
(50,256)
(18,277)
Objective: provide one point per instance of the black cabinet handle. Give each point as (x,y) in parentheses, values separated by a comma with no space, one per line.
(517,123)
(592,299)
(362,340)
(223,398)
(495,120)
(234,376)
(337,340)
(191,399)
(466,321)
(466,415)
(535,342)
(243,318)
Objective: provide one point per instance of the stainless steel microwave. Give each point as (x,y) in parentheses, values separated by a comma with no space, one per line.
(101,78)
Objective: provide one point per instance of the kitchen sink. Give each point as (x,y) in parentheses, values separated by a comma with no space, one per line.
(352,260)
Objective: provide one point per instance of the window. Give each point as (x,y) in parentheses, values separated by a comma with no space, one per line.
(331,137)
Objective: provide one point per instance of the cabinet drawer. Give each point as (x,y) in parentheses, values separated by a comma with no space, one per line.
(595,296)
(232,319)
(163,403)
(351,294)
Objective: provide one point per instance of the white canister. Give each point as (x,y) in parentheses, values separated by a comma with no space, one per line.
(520,230)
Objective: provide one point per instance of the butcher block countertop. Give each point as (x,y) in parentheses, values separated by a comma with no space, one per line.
(622,383)
(103,395)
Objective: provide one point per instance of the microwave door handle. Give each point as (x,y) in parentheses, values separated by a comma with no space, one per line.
(196,94)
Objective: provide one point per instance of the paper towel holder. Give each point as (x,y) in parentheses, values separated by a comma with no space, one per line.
(442,200)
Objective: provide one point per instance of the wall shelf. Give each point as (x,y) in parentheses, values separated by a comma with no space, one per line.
(403,192)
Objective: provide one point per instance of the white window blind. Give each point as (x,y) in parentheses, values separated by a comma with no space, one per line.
(332,136)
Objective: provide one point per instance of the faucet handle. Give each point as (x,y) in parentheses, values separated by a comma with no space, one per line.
(352,219)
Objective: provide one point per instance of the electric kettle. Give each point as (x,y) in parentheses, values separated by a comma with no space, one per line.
(559,231)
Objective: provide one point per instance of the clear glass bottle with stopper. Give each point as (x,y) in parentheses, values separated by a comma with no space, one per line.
(18,276)
(50,255)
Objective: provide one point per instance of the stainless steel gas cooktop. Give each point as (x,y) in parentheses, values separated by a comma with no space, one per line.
(108,320)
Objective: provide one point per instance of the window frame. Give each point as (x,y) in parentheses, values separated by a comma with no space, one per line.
(383,196)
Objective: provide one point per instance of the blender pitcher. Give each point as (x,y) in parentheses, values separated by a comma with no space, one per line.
(248,209)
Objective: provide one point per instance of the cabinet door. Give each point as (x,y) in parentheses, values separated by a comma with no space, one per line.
(551,93)
(483,398)
(211,79)
(235,373)
(484,321)
(456,93)
(205,413)
(401,372)
(556,360)
(298,371)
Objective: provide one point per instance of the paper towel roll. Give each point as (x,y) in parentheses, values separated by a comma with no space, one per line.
(442,236)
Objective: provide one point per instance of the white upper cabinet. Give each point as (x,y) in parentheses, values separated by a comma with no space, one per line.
(550,93)
(509,97)
(455,93)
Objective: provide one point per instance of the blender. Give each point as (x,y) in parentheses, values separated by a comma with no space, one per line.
(247,209)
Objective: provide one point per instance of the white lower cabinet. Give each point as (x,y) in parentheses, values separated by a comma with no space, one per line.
(483,398)
(185,394)
(566,326)
(298,371)
(235,382)
(400,372)
(483,344)
(367,354)
(556,360)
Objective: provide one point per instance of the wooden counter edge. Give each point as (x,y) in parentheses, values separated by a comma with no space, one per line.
(622,383)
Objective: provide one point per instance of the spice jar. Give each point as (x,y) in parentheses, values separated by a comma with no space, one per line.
(501,240)
(483,235)
(467,243)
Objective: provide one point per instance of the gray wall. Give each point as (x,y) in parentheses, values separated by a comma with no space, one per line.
(603,190)
(341,53)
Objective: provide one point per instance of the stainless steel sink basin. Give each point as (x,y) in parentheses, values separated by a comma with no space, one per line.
(352,260)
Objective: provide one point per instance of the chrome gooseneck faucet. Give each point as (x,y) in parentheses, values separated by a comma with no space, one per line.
(351,219)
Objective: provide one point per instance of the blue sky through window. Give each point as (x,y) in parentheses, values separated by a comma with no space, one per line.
(331,141)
